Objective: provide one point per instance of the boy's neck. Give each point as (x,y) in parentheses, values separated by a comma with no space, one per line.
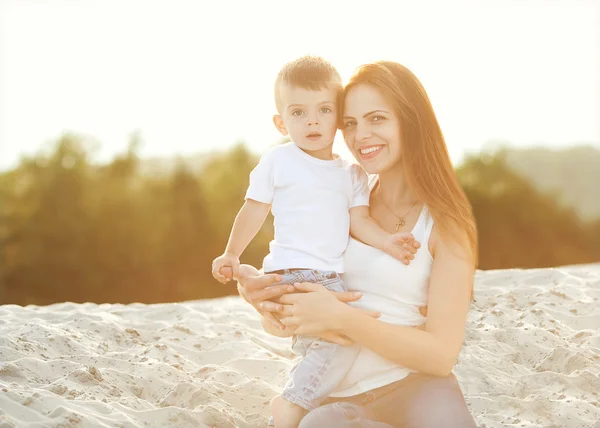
(323,154)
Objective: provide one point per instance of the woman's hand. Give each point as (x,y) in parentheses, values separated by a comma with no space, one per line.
(258,290)
(316,311)
(338,338)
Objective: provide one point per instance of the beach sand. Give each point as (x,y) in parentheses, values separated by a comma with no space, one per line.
(531,359)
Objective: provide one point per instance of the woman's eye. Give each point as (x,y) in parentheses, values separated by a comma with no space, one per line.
(297,113)
(325,110)
(377,118)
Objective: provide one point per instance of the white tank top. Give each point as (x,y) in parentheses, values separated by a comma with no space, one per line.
(393,289)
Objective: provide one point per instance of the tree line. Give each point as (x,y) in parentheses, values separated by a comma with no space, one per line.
(73,230)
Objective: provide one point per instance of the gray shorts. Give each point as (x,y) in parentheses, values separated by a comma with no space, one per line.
(323,364)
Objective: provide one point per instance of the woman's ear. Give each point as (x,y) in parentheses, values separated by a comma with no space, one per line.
(278,121)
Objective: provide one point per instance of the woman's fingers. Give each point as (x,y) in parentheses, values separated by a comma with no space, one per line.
(273,320)
(336,338)
(252,283)
(291,320)
(342,340)
(347,296)
(373,314)
(235,272)
(248,270)
(284,310)
(269,293)
(269,306)
(288,299)
(307,286)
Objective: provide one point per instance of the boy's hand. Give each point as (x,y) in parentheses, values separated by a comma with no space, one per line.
(226,267)
(402,246)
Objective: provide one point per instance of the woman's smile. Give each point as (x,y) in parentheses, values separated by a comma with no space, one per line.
(369,152)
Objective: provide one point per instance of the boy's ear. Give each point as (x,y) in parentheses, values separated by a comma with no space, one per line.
(278,121)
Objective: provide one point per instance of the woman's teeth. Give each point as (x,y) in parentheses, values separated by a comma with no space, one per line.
(370,150)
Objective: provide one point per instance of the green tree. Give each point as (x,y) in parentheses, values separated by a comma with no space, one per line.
(46,246)
(225,180)
(517,225)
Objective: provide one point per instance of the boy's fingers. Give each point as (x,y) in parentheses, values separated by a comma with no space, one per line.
(217,275)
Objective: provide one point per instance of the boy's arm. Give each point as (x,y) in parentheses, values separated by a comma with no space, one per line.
(363,227)
(399,245)
(246,225)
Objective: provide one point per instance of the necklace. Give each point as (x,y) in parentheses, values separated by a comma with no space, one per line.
(401,221)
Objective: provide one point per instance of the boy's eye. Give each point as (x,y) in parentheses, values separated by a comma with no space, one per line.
(297,113)
(325,110)
(349,123)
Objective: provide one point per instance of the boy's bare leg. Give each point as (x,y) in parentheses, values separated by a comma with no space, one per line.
(285,413)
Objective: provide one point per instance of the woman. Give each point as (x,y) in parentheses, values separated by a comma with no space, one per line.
(402,376)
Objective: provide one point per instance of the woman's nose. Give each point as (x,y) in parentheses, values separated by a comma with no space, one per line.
(362,133)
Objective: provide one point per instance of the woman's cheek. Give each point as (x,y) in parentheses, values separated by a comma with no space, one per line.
(349,140)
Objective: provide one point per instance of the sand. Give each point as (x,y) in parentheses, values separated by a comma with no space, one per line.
(531,359)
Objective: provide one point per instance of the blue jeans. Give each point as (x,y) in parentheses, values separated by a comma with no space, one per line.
(323,364)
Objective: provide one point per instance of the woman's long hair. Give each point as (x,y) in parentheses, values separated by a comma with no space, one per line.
(425,158)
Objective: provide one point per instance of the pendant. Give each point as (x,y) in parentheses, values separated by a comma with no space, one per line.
(400,223)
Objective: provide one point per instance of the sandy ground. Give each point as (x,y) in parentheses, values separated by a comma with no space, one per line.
(531,359)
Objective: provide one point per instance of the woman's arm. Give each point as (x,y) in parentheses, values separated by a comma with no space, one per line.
(435,349)
(257,288)
(432,350)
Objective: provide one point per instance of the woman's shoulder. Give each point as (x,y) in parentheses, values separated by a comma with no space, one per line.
(454,242)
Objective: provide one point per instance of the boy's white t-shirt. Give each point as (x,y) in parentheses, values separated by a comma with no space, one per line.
(310,200)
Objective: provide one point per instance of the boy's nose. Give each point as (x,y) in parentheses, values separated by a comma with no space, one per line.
(313,122)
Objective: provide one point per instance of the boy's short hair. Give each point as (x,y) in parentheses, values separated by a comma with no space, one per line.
(307,72)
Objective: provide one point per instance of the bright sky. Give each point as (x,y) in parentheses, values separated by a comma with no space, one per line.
(193,76)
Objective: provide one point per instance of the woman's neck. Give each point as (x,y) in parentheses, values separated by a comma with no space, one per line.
(394,189)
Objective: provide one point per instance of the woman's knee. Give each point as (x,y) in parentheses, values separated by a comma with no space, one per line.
(340,415)
(439,402)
